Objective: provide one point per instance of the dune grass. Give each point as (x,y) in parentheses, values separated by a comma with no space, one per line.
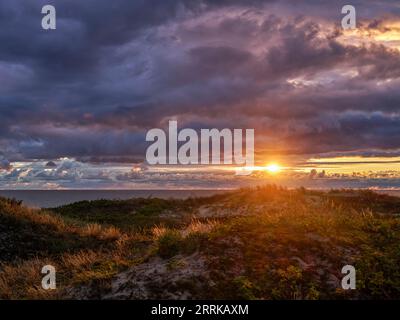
(260,243)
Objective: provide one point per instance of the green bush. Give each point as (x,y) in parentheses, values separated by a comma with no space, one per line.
(193,242)
(169,244)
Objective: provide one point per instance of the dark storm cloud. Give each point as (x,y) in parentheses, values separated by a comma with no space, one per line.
(350,131)
(111,70)
(4,163)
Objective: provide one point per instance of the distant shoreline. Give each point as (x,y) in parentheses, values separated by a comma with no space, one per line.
(54,198)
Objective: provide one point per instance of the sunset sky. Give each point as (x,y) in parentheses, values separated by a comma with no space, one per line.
(76,102)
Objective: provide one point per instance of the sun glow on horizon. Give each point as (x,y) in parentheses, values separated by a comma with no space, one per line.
(273,168)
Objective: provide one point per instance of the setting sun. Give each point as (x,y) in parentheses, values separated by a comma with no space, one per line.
(273,168)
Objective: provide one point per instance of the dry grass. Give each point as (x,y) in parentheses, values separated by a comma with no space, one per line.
(35,216)
(24,281)
(195,226)
(97,231)
(286,246)
(57,223)
(158,231)
(80,260)
(198,226)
